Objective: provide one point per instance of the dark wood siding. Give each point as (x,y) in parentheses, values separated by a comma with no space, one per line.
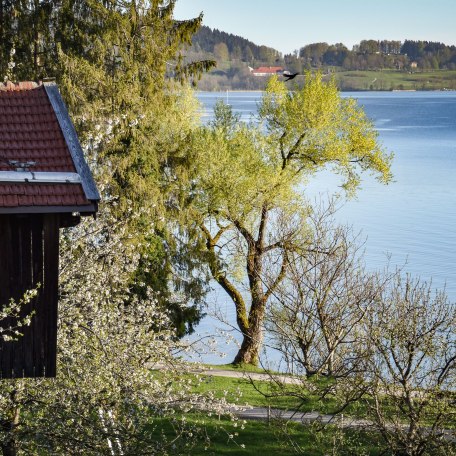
(29,255)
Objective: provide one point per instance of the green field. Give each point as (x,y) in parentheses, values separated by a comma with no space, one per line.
(383,80)
(241,391)
(396,80)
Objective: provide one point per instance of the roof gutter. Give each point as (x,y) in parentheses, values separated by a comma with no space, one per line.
(40,177)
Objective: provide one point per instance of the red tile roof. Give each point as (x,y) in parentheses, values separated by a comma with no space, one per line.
(268,70)
(37,194)
(30,132)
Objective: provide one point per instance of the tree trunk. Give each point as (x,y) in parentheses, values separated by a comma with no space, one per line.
(9,427)
(251,325)
(9,447)
(249,353)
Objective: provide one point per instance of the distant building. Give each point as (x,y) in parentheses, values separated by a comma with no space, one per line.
(413,64)
(266,71)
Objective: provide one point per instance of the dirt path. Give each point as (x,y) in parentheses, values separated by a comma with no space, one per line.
(253,375)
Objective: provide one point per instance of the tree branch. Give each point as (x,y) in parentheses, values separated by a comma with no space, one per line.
(279,278)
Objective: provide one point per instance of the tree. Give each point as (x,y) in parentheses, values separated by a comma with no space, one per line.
(237,53)
(369,47)
(293,62)
(313,53)
(117,68)
(118,383)
(221,52)
(248,54)
(399,377)
(267,55)
(335,55)
(249,177)
(317,312)
(411,372)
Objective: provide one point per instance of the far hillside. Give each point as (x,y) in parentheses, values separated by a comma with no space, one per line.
(369,65)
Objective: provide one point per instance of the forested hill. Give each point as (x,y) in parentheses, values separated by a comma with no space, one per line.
(431,64)
(238,48)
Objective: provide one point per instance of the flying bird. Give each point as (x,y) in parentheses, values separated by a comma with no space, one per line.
(289,76)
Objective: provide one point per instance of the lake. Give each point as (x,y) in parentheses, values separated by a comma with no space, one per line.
(413,219)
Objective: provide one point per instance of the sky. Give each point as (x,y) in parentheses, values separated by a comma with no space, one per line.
(287,25)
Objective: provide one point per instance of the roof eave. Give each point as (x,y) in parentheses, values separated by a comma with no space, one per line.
(87,209)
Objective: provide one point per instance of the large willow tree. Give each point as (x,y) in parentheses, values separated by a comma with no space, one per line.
(250,200)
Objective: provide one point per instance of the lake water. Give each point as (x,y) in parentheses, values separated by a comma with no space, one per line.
(413,219)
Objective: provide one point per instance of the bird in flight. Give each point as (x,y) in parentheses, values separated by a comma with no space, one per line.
(288,76)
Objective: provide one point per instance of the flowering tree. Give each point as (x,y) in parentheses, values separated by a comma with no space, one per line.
(118,383)
(410,375)
(119,67)
(12,314)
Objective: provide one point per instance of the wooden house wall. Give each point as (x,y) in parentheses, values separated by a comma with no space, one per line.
(29,257)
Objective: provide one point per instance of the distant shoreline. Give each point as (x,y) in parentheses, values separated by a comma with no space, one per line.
(348,81)
(352,90)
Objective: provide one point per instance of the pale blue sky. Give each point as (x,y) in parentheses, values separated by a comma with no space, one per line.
(290,24)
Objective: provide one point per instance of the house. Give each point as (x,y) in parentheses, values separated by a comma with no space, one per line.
(266,71)
(45,184)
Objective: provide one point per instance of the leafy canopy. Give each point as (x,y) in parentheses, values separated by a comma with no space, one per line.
(248,187)
(243,166)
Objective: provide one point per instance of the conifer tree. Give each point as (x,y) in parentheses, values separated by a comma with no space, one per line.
(119,68)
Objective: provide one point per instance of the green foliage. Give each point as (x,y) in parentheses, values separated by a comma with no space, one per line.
(314,127)
(248,200)
(118,68)
(206,39)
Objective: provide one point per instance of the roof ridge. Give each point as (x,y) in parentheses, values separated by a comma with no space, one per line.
(22,85)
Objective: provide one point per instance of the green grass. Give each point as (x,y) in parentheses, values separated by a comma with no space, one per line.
(253,438)
(259,393)
(259,438)
(228,437)
(238,368)
(396,80)
(242,392)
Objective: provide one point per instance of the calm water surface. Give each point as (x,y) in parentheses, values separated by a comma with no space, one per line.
(413,219)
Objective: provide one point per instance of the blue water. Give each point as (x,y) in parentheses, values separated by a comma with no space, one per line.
(413,219)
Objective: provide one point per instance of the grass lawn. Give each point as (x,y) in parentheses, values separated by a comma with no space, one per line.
(241,391)
(258,438)
(228,437)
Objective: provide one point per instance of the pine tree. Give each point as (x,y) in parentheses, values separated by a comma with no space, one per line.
(119,69)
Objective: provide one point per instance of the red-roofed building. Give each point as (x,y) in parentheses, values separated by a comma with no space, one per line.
(267,71)
(45,184)
(41,162)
